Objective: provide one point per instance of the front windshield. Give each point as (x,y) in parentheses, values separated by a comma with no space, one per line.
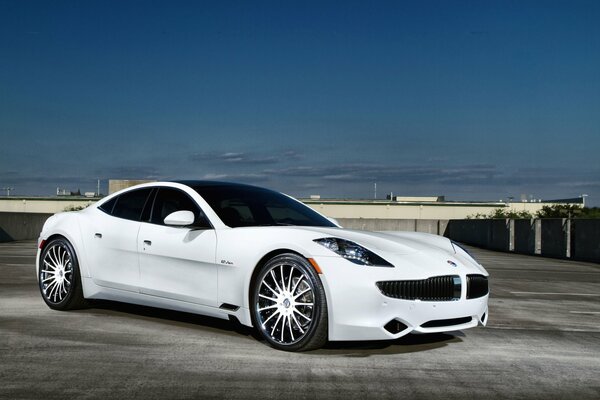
(239,206)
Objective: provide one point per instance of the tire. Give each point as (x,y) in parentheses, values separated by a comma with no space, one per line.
(288,304)
(59,278)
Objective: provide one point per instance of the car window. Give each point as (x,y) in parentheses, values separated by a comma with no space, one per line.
(286,215)
(107,207)
(169,200)
(234,212)
(239,205)
(130,205)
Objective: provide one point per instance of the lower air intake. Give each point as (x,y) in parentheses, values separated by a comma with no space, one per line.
(438,323)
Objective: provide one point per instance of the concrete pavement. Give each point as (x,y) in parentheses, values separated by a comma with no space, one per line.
(542,342)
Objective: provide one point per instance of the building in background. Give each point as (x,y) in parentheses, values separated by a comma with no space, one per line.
(399,208)
(114,185)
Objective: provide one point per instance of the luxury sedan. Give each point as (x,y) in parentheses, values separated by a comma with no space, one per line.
(259,257)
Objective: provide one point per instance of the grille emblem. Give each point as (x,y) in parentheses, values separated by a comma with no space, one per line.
(452,263)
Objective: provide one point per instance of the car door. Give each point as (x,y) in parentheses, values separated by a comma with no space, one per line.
(178,262)
(111,241)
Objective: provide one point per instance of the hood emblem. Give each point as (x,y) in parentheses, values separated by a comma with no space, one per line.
(452,263)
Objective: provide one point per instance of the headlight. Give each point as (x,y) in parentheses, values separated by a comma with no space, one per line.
(353,252)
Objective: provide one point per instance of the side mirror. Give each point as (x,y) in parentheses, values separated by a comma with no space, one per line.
(180,218)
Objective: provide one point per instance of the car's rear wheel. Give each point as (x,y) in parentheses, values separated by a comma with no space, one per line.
(288,302)
(59,278)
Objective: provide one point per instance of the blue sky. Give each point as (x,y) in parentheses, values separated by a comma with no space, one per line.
(473,100)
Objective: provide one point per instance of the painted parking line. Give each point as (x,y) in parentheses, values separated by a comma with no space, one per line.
(585,312)
(560,294)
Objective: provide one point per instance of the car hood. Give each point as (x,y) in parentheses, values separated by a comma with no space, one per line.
(415,254)
(393,242)
(425,252)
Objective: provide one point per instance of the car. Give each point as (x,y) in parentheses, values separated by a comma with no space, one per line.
(262,258)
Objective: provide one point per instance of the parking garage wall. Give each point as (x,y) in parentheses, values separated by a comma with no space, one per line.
(577,239)
(21,226)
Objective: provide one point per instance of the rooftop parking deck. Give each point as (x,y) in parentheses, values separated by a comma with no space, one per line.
(542,341)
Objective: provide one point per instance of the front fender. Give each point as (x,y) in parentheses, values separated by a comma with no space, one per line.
(67,225)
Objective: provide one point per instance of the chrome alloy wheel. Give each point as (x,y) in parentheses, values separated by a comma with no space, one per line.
(56,272)
(285,303)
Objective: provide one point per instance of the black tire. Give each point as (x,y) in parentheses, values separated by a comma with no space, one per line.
(59,278)
(281,292)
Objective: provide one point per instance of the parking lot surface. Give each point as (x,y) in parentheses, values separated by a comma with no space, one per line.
(542,342)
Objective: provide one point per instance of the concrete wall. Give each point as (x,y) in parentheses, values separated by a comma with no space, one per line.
(554,238)
(577,239)
(51,205)
(524,236)
(21,226)
(585,239)
(476,232)
(381,209)
(435,226)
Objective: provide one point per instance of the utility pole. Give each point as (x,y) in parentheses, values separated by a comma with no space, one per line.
(98,189)
(375,191)
(8,189)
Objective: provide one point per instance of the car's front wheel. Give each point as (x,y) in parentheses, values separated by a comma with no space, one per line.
(59,278)
(288,303)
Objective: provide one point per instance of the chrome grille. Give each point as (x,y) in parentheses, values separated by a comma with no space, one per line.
(438,288)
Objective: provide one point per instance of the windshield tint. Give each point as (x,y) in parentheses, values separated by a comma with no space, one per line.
(251,206)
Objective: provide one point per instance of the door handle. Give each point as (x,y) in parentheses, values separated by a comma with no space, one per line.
(148,242)
(98,235)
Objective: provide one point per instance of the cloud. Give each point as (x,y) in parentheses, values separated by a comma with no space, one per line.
(581,184)
(248,178)
(234,158)
(390,173)
(129,172)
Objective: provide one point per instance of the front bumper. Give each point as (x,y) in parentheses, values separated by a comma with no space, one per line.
(359,311)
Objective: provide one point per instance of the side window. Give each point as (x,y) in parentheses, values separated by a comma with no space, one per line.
(108,206)
(236,212)
(169,200)
(130,205)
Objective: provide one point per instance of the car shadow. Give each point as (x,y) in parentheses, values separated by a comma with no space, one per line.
(179,318)
(410,343)
(407,344)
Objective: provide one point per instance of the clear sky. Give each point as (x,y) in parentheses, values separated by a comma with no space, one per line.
(476,100)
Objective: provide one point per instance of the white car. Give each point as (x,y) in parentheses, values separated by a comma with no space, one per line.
(241,252)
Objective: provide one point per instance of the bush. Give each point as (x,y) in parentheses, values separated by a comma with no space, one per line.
(568,211)
(502,213)
(554,211)
(71,207)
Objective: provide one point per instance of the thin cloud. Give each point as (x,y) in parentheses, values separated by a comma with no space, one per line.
(130,172)
(247,178)
(389,173)
(234,158)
